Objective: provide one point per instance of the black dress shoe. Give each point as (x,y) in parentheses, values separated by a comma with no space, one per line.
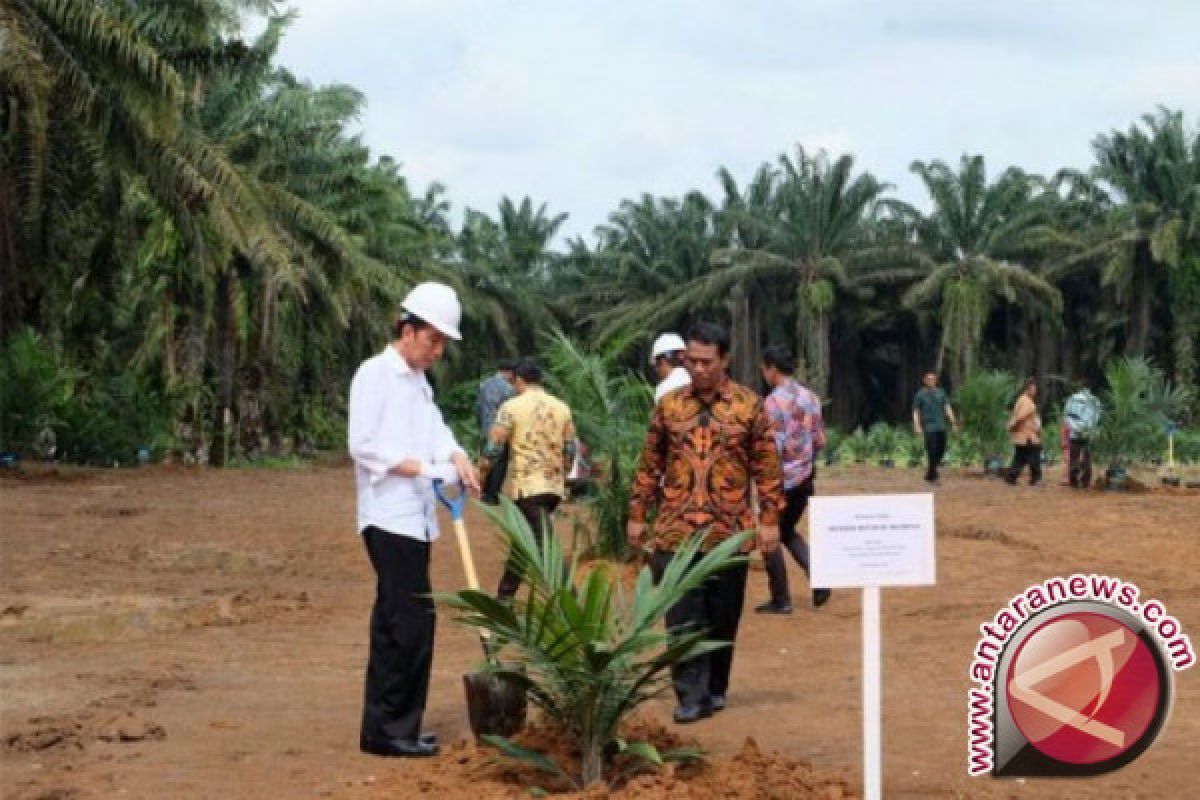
(688,714)
(427,737)
(399,748)
(771,607)
(717,702)
(821,597)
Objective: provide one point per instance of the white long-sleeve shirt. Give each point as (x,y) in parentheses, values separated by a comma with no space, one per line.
(675,379)
(393,418)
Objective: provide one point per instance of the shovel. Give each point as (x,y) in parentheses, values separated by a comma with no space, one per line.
(495,703)
(456,505)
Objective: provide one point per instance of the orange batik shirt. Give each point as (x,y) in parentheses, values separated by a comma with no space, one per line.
(699,463)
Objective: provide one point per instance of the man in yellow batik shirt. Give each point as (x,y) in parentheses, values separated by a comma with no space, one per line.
(540,434)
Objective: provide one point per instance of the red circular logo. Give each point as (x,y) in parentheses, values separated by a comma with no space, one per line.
(1083,688)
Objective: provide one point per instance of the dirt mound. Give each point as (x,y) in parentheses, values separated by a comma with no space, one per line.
(67,733)
(123,618)
(981,534)
(118,716)
(466,771)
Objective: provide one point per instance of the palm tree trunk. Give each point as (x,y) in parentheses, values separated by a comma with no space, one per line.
(967,362)
(12,277)
(1138,332)
(804,365)
(169,344)
(821,355)
(1185,325)
(847,394)
(1047,349)
(739,312)
(226,366)
(592,761)
(909,371)
(756,334)
(939,363)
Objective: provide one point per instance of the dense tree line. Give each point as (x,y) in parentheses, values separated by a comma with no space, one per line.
(196,251)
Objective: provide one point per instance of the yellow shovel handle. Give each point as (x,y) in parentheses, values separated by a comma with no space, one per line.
(468,562)
(464,550)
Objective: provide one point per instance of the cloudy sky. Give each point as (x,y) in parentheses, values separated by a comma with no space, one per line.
(581,104)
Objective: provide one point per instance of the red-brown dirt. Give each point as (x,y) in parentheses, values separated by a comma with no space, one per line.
(177,633)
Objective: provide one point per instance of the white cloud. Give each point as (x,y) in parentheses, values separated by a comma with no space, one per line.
(581,105)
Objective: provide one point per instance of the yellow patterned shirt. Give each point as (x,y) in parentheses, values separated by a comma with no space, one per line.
(537,426)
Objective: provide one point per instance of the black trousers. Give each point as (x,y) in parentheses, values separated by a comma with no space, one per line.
(495,479)
(935,450)
(1026,454)
(537,510)
(1080,469)
(796,500)
(716,607)
(402,628)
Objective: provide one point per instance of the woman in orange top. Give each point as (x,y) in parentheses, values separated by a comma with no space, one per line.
(1025,431)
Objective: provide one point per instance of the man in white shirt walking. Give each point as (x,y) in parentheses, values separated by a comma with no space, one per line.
(667,357)
(400,444)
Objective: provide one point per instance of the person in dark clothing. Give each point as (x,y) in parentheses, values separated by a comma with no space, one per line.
(931,411)
(493,392)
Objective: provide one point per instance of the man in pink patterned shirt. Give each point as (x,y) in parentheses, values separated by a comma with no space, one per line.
(795,416)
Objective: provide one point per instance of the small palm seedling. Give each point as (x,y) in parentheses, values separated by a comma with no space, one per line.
(587,652)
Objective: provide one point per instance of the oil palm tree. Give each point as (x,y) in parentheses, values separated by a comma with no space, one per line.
(1150,243)
(651,263)
(977,242)
(810,234)
(506,272)
(84,98)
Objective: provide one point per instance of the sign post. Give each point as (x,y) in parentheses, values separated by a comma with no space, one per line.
(870,541)
(872,693)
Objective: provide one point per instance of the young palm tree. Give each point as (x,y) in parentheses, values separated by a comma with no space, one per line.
(611,408)
(587,652)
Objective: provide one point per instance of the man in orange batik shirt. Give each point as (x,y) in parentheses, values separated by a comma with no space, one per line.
(708,445)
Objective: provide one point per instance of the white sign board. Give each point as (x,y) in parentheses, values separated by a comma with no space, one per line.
(872,540)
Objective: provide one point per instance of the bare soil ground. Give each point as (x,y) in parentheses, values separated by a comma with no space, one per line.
(176,633)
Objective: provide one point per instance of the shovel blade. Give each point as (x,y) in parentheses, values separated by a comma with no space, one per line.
(495,704)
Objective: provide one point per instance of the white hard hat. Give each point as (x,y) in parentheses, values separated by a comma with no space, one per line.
(437,304)
(666,343)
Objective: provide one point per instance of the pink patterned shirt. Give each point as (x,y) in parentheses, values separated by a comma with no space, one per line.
(799,428)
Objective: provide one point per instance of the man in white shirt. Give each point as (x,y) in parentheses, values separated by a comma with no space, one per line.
(400,444)
(667,357)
